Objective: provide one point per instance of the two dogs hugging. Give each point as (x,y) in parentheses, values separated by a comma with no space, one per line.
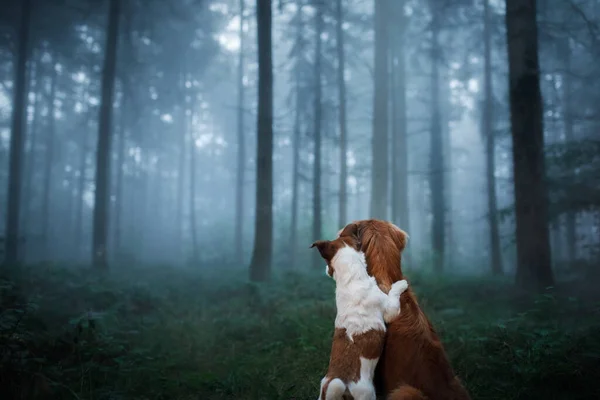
(383,344)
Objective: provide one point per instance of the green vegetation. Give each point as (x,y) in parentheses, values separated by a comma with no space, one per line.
(174,334)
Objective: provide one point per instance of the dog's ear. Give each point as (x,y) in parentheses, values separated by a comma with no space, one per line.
(352,230)
(324,247)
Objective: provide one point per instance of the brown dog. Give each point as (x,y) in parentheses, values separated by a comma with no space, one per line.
(414,365)
(362,312)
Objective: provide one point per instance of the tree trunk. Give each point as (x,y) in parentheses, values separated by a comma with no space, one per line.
(343,200)
(241,151)
(182,125)
(33,144)
(490,145)
(83,149)
(570,219)
(260,265)
(379,172)
(531,203)
(193,179)
(101,198)
(17,142)
(318,116)
(118,207)
(400,197)
(48,167)
(296,148)
(436,175)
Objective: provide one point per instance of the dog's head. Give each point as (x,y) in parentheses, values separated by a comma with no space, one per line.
(383,244)
(329,248)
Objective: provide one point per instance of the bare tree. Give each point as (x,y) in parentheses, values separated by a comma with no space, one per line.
(260,265)
(490,148)
(379,172)
(343,200)
(436,154)
(399,160)
(241,147)
(100,233)
(318,115)
(531,203)
(17,138)
(49,162)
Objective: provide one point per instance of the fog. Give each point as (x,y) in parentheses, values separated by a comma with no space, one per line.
(182,128)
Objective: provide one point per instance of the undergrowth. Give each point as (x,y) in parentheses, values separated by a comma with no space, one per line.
(176,334)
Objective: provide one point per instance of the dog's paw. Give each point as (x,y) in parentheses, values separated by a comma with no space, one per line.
(400,286)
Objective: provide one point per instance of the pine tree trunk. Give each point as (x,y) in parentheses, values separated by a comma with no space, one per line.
(531,203)
(343,200)
(118,206)
(296,149)
(241,151)
(33,144)
(181,166)
(490,145)
(436,176)
(49,164)
(101,195)
(83,150)
(193,180)
(318,119)
(400,194)
(260,264)
(570,219)
(18,127)
(379,172)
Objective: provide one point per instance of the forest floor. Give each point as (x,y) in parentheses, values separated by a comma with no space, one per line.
(175,334)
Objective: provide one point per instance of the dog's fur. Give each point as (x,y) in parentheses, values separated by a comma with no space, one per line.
(362,310)
(413,364)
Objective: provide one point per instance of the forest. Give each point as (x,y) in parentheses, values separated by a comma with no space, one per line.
(166,164)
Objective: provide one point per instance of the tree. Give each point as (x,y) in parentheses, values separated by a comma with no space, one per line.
(490,148)
(241,150)
(399,160)
(49,161)
(260,264)
(379,172)
(343,200)
(17,142)
(318,110)
(436,154)
(531,203)
(100,230)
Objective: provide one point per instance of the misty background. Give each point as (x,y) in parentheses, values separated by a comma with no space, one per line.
(132,130)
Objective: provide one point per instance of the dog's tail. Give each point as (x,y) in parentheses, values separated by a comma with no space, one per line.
(333,390)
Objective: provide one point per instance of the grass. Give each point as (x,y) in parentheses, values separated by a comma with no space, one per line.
(175,334)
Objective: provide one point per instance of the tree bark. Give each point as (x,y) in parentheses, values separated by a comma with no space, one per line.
(318,116)
(379,172)
(118,207)
(17,142)
(436,174)
(83,150)
(490,144)
(400,196)
(296,147)
(343,200)
(570,218)
(260,264)
(193,180)
(101,198)
(182,125)
(33,144)
(241,150)
(531,203)
(49,164)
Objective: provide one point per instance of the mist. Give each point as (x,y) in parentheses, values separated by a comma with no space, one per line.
(209,139)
